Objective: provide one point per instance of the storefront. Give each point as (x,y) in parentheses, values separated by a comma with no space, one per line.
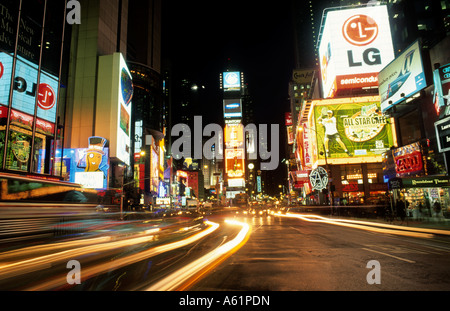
(424,195)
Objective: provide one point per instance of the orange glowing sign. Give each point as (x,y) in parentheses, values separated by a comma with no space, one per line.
(234,136)
(234,163)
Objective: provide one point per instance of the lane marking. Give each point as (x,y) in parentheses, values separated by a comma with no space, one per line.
(389,255)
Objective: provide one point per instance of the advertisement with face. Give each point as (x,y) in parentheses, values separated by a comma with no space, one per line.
(88,166)
(402,78)
(355,45)
(351,131)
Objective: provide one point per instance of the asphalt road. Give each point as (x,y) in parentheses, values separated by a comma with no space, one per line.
(278,253)
(285,254)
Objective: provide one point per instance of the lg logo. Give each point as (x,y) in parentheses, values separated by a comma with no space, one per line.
(360,30)
(46,94)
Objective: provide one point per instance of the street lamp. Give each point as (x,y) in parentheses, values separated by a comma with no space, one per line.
(330,193)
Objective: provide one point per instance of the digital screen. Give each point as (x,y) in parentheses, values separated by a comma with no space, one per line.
(232,108)
(232,81)
(25,88)
(234,136)
(441,94)
(234,163)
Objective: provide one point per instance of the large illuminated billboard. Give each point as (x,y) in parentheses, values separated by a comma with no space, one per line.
(234,136)
(355,45)
(232,108)
(441,94)
(232,81)
(26,89)
(234,163)
(402,78)
(351,131)
(87,166)
(113,114)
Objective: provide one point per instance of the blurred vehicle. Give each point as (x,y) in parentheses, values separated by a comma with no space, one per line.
(192,204)
(207,205)
(34,206)
(241,200)
(258,211)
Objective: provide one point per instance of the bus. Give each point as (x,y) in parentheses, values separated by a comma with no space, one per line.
(32,206)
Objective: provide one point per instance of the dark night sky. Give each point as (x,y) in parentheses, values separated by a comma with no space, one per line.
(199,37)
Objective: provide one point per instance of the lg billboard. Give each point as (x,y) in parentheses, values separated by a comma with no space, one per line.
(355,45)
(26,89)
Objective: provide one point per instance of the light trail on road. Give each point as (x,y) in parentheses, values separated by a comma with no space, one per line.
(185,277)
(42,262)
(369,226)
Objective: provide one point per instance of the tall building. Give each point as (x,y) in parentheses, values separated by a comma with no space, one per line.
(410,20)
(34,52)
(81,92)
(232,85)
(409,97)
(329,144)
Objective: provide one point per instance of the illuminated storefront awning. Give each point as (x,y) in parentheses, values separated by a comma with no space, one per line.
(420,182)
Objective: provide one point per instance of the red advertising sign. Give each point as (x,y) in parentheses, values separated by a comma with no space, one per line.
(288,118)
(408,160)
(46,96)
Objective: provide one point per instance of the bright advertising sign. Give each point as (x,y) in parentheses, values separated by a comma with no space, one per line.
(441,77)
(351,132)
(355,45)
(232,81)
(234,163)
(402,78)
(408,160)
(442,128)
(232,108)
(26,90)
(114,94)
(234,136)
(88,166)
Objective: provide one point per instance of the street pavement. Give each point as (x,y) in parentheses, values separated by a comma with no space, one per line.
(316,254)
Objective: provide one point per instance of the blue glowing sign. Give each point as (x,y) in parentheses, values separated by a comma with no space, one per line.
(232,108)
(25,88)
(232,81)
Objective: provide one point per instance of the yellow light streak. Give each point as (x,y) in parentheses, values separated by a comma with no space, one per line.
(369,226)
(124,261)
(189,274)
